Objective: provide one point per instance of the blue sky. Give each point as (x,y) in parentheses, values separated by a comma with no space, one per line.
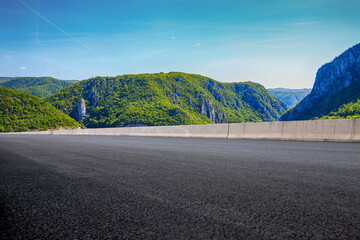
(278,43)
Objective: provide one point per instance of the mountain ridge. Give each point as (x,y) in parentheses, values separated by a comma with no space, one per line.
(173,98)
(290,97)
(38,86)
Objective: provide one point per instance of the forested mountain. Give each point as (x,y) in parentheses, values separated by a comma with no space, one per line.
(290,97)
(22,112)
(38,86)
(165,99)
(337,83)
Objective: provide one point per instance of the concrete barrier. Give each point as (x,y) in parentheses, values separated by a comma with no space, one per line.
(345,130)
(195,131)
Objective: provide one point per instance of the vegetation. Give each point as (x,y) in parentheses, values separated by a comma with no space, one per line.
(165,99)
(290,97)
(346,111)
(23,112)
(38,86)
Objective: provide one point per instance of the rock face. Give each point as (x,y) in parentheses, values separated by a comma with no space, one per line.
(336,83)
(211,111)
(93,97)
(260,102)
(80,110)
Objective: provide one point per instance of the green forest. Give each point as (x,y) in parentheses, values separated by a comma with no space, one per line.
(23,112)
(165,99)
(346,111)
(38,86)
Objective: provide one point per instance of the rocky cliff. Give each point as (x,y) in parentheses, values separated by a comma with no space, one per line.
(336,83)
(80,110)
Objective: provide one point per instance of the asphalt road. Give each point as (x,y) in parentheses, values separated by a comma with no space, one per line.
(93,187)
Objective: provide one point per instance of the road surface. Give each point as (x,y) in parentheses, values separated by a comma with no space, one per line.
(97,187)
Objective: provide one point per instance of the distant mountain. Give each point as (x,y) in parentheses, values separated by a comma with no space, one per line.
(38,86)
(336,83)
(165,99)
(290,97)
(22,112)
(5,79)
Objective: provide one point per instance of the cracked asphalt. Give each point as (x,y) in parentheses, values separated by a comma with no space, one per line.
(101,187)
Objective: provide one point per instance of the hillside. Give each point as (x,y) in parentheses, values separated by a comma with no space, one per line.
(5,79)
(22,112)
(290,97)
(347,111)
(38,86)
(165,99)
(336,83)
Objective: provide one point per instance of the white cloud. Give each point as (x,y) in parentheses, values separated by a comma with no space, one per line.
(198,44)
(23,68)
(173,37)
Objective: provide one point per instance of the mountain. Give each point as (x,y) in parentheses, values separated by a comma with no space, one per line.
(22,112)
(38,86)
(5,79)
(165,99)
(336,83)
(346,111)
(290,97)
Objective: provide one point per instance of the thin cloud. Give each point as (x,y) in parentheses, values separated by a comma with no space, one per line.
(52,61)
(173,37)
(198,44)
(23,68)
(301,23)
(60,29)
(8,57)
(266,42)
(151,54)
(294,5)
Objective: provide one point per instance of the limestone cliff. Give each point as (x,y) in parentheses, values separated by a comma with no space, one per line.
(80,110)
(336,83)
